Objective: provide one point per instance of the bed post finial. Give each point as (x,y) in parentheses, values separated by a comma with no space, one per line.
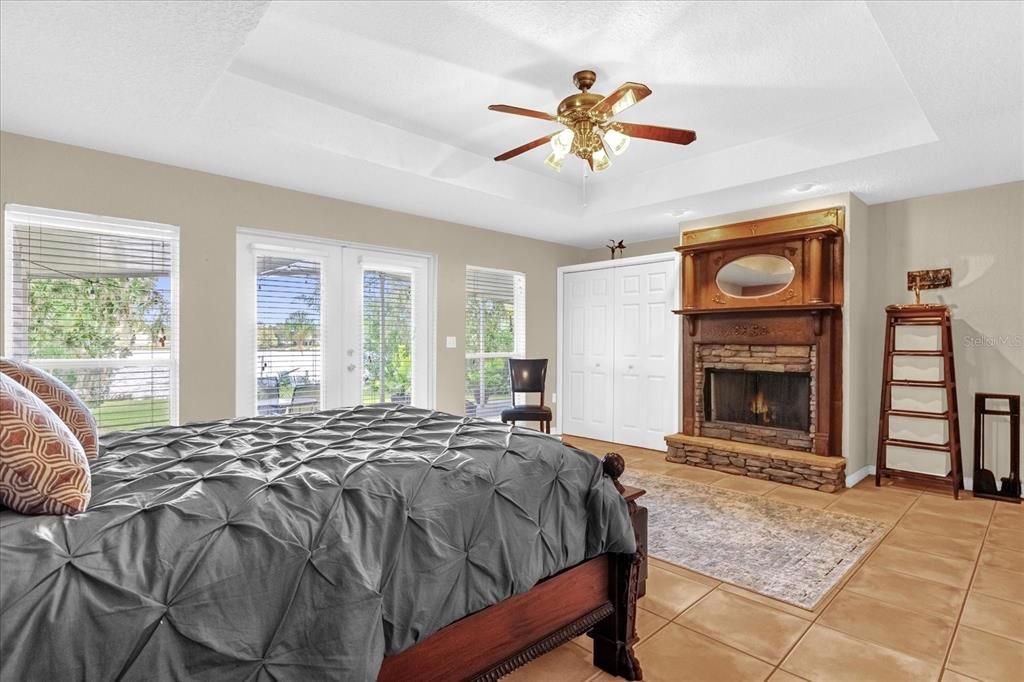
(614,465)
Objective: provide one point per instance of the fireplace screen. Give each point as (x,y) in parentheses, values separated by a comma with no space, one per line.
(780,400)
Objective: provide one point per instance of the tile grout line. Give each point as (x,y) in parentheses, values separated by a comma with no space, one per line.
(914,498)
(881,599)
(967,592)
(726,644)
(839,589)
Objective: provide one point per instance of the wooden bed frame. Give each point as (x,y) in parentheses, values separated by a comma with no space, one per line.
(597,597)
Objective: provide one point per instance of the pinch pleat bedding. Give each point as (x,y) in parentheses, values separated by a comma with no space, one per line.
(298,547)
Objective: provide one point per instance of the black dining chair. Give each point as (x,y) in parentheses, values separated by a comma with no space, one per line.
(527,376)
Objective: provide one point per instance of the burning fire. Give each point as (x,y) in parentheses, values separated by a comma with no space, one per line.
(759,407)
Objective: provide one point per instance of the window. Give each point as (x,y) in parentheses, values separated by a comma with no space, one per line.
(495,332)
(94,301)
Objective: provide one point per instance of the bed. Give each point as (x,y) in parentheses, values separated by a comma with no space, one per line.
(380,542)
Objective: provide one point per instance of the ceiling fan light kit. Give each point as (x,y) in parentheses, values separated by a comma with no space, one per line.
(589,131)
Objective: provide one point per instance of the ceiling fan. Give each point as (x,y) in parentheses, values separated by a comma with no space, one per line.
(589,127)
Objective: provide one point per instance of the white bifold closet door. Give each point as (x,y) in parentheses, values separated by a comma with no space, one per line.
(645,388)
(588,337)
(620,367)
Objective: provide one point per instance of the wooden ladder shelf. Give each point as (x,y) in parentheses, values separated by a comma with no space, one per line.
(918,315)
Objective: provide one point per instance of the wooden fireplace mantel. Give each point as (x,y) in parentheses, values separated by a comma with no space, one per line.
(807,311)
(811,241)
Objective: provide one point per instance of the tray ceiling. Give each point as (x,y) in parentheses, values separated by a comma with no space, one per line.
(385,103)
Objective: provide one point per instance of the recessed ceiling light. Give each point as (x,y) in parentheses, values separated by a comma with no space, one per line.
(806,187)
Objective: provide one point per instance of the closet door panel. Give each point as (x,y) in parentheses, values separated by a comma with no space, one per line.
(574,341)
(587,354)
(645,395)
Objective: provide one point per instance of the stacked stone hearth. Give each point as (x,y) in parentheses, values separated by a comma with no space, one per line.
(806,470)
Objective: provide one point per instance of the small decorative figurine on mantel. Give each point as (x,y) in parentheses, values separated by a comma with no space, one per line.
(613,246)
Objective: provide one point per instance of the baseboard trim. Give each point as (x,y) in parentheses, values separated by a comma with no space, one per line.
(859,475)
(862,473)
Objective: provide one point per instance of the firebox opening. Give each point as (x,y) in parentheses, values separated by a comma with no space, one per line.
(780,400)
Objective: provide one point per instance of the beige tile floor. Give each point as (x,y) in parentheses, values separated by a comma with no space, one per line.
(941,597)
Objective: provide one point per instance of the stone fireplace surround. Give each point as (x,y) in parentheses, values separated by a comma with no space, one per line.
(765,453)
(754,358)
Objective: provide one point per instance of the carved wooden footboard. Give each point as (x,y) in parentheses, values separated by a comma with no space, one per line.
(597,596)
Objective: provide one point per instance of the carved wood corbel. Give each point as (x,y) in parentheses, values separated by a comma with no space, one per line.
(816,321)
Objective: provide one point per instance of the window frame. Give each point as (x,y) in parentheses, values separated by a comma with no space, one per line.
(16,214)
(519,318)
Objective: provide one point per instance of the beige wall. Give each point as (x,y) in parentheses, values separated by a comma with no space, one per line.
(979,233)
(208,209)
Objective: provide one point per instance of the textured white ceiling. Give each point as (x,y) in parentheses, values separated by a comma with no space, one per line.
(385,103)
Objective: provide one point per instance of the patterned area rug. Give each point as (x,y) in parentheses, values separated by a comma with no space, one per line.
(777,549)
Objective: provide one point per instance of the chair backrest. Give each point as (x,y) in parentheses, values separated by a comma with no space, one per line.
(267,388)
(306,392)
(527,376)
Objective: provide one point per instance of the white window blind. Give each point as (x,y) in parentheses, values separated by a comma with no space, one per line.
(387,337)
(495,332)
(289,357)
(93,301)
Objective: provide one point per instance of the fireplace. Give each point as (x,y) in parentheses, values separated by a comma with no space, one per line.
(756,393)
(762,368)
(780,400)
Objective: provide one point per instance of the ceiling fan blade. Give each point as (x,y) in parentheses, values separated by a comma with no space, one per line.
(524,148)
(626,96)
(519,111)
(658,133)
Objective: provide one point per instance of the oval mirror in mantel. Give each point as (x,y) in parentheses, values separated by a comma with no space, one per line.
(755,276)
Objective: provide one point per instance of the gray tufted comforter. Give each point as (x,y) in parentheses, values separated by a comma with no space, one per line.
(293,548)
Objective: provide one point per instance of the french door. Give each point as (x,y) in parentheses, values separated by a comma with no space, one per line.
(322,325)
(386,336)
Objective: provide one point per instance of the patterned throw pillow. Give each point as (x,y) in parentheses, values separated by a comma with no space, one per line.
(43,469)
(59,398)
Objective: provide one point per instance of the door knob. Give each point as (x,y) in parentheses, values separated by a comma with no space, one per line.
(597,364)
(351,368)
(630,367)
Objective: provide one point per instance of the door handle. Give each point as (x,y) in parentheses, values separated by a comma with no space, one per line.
(351,368)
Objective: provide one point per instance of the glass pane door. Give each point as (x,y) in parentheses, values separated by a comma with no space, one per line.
(289,357)
(387,353)
(387,337)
